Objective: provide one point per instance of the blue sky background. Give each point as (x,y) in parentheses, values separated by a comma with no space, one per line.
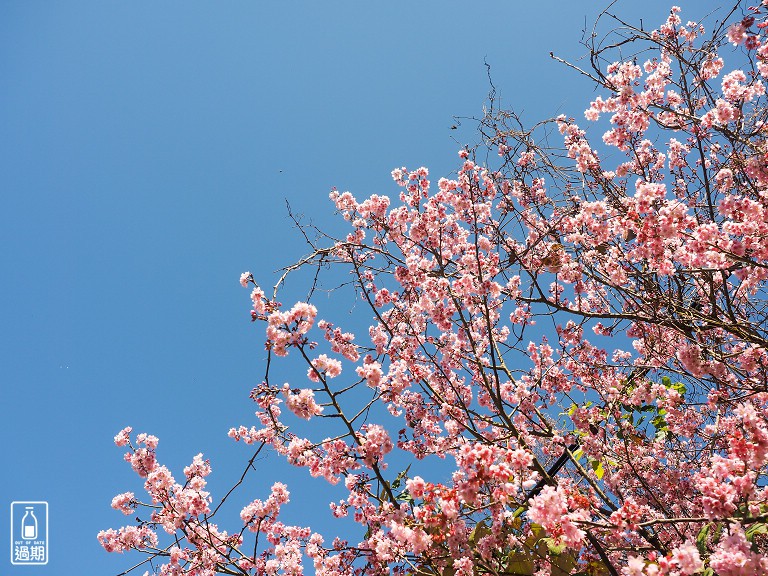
(146,154)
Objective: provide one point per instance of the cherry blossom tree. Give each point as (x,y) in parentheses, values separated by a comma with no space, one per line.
(566,365)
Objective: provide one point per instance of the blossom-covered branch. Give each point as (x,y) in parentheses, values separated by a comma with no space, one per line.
(564,368)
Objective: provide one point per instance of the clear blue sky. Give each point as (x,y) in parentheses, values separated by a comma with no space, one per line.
(146,153)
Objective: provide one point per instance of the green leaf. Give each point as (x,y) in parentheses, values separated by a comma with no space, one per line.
(383,491)
(405,496)
(562,564)
(756,528)
(519,564)
(701,538)
(680,387)
(535,541)
(597,466)
(597,568)
(477,533)
(399,480)
(666,381)
(537,532)
(553,546)
(717,533)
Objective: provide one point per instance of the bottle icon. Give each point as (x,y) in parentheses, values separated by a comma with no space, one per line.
(29,524)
